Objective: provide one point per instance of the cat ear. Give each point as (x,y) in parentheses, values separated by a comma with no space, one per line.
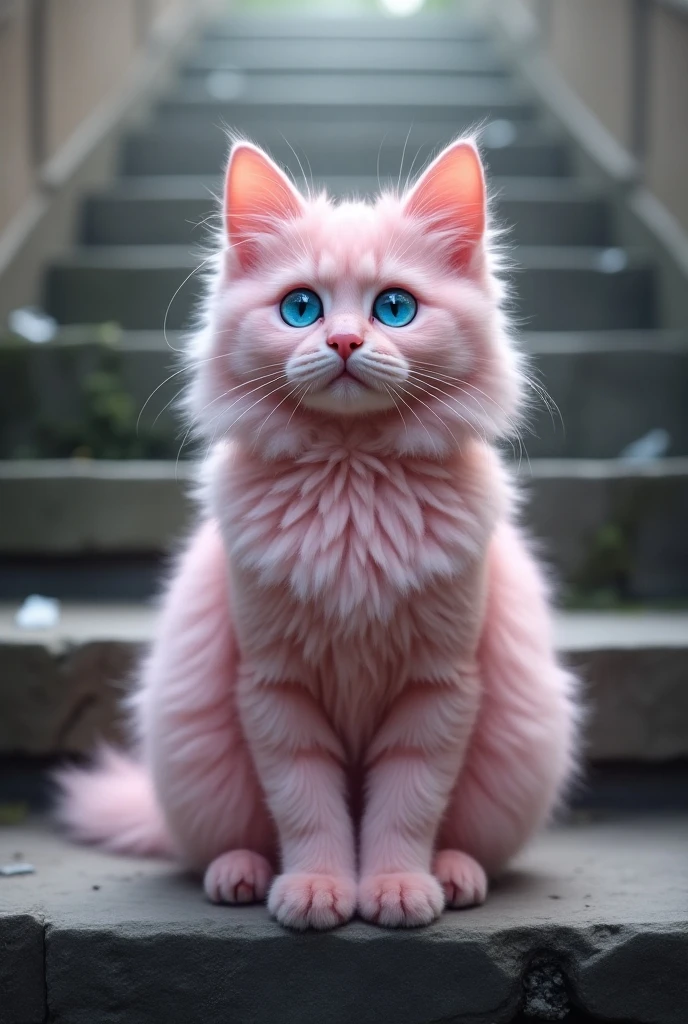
(257,196)
(451,192)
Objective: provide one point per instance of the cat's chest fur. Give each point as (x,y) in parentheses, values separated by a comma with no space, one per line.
(350,528)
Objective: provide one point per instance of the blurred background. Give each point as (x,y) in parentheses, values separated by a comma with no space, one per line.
(112,143)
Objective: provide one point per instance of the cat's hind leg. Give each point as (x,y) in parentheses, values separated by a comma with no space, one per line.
(191,735)
(522,752)
(190,789)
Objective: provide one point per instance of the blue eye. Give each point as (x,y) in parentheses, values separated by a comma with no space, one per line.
(395,307)
(301,308)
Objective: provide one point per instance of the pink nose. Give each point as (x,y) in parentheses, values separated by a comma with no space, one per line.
(344,344)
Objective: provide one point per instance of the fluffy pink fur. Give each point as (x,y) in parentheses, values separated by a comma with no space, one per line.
(353,680)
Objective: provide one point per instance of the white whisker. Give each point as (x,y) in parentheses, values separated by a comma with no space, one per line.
(273,410)
(397,391)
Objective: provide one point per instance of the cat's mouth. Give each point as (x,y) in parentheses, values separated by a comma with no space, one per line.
(347,394)
(347,375)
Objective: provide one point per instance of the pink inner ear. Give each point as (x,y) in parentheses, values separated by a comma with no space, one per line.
(257,194)
(452,192)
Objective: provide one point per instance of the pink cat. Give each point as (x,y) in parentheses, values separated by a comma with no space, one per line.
(353,679)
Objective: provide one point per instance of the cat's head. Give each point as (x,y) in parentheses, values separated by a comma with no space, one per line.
(351,316)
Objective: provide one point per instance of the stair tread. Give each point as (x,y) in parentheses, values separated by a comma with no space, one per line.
(530,257)
(168,469)
(396,99)
(200,146)
(425,26)
(336,54)
(132,622)
(665,340)
(143,212)
(651,340)
(432,132)
(150,188)
(339,88)
(605,897)
(72,508)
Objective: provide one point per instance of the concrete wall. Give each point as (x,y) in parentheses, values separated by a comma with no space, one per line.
(16,167)
(88,48)
(666,162)
(59,61)
(633,75)
(590,41)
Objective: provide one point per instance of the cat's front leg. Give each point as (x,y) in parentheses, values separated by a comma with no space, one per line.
(413,763)
(300,761)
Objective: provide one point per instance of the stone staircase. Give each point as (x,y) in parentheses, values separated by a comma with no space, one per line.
(96,530)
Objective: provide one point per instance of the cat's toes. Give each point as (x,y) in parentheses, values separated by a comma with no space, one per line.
(462,878)
(240,876)
(312,901)
(400,900)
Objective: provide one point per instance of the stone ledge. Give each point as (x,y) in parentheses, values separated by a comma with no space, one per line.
(594,517)
(633,382)
(126,940)
(60,690)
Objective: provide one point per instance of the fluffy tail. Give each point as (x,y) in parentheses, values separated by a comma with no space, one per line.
(113,805)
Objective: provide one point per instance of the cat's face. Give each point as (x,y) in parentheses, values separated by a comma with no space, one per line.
(387,312)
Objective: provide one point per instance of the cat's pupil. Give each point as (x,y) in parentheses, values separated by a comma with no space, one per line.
(303,302)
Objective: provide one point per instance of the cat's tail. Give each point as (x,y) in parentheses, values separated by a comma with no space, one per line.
(113,805)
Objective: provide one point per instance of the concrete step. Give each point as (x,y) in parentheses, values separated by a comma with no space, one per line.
(61,689)
(325,148)
(169,211)
(607,389)
(426,56)
(322,30)
(376,96)
(338,99)
(575,288)
(592,916)
(608,527)
(128,285)
(567,288)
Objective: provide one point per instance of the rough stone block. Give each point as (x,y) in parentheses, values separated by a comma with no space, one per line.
(61,692)
(22,969)
(62,701)
(599,906)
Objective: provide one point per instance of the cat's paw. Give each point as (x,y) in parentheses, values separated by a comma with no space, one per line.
(462,878)
(240,876)
(400,900)
(312,901)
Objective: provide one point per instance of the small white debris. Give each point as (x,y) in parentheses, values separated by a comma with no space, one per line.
(612,261)
(498,134)
(18,868)
(652,445)
(38,612)
(32,324)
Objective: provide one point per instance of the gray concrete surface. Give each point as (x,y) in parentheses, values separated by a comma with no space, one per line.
(577,508)
(91,938)
(61,689)
(633,382)
(559,288)
(202,149)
